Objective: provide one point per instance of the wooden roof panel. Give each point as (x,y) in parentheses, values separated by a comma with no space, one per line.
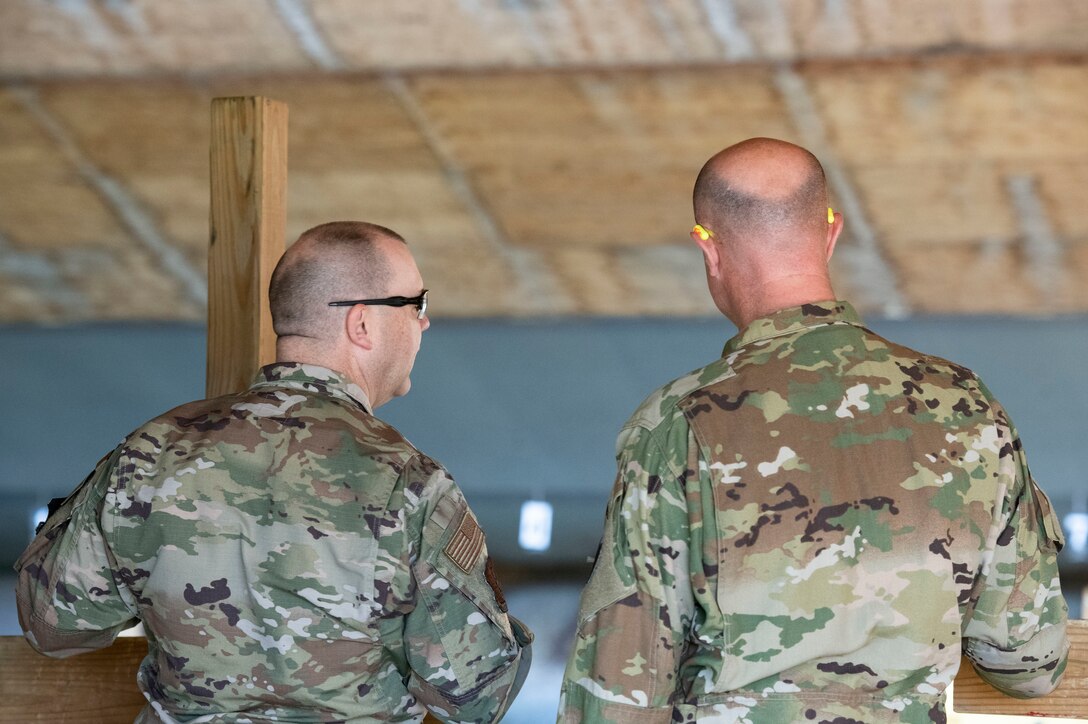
(532,193)
(340,122)
(1063,188)
(142,137)
(421,33)
(42,39)
(951,109)
(134,286)
(993,277)
(612,154)
(45,203)
(936,203)
(150,37)
(134,128)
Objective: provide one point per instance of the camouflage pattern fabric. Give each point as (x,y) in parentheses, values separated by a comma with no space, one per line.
(292,558)
(813,528)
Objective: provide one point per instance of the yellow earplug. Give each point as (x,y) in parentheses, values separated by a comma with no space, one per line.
(702,232)
(830,215)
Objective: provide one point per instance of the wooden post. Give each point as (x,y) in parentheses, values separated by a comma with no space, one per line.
(248,224)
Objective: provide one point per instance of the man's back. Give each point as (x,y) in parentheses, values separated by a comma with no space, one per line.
(826,514)
(282,516)
(808,528)
(267,541)
(293,557)
(860,492)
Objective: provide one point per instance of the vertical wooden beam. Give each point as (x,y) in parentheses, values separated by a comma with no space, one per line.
(248,223)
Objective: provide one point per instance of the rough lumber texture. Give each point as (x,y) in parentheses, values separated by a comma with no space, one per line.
(972,695)
(101,686)
(248,219)
(530,194)
(94,688)
(143,36)
(64,257)
(150,37)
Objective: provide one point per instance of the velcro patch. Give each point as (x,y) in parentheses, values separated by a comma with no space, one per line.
(493,581)
(467,542)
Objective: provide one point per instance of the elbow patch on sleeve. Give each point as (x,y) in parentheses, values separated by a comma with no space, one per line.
(1034,669)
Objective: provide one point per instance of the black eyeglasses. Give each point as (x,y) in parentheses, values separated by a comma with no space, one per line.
(419,303)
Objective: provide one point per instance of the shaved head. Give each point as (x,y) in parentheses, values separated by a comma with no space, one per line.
(762,189)
(766,236)
(334,261)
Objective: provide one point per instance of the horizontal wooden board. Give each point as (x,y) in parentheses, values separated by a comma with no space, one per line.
(101,686)
(91,688)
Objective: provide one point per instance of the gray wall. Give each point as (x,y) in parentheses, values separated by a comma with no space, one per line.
(514,410)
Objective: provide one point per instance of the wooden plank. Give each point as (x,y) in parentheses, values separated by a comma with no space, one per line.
(248,218)
(97,687)
(972,695)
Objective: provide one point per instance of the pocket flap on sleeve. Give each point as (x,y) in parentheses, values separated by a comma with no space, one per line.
(1052,527)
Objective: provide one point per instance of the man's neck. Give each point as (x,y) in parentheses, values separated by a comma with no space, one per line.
(789,292)
(303,351)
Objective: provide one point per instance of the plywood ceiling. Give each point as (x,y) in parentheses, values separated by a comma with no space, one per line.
(539,155)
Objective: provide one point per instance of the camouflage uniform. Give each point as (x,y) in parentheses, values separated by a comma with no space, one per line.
(813,528)
(292,558)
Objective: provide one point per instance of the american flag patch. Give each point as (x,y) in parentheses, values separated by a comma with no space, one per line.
(467,542)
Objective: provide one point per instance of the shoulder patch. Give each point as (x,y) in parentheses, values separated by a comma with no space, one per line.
(467,542)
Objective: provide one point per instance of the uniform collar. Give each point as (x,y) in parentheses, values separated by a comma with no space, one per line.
(311,378)
(792,320)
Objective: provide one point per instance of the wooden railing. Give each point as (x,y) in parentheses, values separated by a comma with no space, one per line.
(95,688)
(99,687)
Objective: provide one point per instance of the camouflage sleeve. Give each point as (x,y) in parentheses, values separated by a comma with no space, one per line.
(637,607)
(1015,632)
(67,598)
(468,658)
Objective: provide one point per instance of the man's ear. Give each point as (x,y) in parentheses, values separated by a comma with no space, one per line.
(833,231)
(711,253)
(358,326)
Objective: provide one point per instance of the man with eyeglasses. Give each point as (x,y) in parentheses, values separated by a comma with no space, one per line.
(816,525)
(291,556)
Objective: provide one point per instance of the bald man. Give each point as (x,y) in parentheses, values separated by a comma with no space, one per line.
(291,556)
(815,526)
